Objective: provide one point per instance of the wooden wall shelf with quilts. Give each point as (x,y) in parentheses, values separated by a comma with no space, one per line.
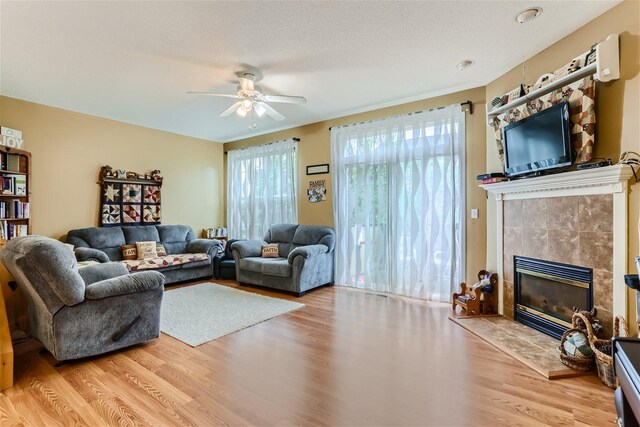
(129,198)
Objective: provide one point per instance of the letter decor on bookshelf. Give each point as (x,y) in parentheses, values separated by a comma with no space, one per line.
(15,192)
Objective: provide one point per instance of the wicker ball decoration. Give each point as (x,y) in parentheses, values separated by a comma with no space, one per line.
(576,344)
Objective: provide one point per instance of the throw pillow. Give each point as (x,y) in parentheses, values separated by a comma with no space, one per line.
(147,250)
(270,251)
(129,252)
(70,247)
(161,250)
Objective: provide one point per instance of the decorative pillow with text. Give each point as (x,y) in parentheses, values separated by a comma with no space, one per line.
(147,250)
(270,251)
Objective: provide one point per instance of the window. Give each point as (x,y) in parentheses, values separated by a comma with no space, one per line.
(261,188)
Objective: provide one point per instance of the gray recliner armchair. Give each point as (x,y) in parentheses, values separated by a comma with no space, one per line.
(305,258)
(83,312)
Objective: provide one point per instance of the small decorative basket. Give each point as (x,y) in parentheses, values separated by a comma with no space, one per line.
(577,363)
(603,349)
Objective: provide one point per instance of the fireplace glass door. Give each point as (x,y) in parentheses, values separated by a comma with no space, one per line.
(546,293)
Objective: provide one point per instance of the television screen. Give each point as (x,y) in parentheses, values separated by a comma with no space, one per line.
(538,142)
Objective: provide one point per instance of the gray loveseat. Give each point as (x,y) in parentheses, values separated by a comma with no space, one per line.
(83,312)
(305,258)
(103,245)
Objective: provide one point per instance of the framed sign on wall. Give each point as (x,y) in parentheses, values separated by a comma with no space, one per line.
(317,169)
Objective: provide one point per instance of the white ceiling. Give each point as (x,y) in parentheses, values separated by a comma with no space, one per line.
(134,61)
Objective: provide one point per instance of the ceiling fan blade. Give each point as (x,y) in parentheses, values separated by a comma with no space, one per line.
(285,99)
(230,110)
(271,112)
(224,95)
(246,84)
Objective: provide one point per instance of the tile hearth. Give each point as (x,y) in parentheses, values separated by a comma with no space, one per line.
(533,348)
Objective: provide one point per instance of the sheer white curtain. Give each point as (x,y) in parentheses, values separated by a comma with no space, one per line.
(261,188)
(399,203)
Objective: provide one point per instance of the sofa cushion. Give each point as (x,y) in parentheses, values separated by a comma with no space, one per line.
(268,266)
(175,237)
(277,268)
(163,262)
(140,233)
(107,239)
(282,234)
(197,264)
(314,235)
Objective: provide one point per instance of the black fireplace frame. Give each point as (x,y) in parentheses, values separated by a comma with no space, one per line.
(563,271)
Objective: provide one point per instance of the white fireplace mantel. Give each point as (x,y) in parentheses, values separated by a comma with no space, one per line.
(606,180)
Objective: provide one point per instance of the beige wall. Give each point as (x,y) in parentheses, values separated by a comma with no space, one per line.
(69,148)
(314,148)
(617,103)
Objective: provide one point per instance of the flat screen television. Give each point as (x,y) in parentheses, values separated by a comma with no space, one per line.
(538,142)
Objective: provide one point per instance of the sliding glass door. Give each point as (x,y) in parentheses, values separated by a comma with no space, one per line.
(399,204)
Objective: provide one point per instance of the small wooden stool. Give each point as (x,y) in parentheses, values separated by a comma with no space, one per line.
(471,300)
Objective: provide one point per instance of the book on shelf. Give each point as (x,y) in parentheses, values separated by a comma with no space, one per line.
(14,209)
(13,162)
(493,180)
(14,184)
(490,175)
(10,230)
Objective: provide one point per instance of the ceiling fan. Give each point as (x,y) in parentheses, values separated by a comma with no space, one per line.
(250,98)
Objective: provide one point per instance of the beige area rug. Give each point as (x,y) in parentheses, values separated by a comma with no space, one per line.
(533,348)
(202,313)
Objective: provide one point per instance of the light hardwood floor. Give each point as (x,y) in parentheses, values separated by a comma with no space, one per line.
(347,358)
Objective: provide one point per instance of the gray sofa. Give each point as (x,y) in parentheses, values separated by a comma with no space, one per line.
(305,258)
(83,312)
(103,244)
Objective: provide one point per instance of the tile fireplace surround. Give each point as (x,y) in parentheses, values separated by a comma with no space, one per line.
(577,218)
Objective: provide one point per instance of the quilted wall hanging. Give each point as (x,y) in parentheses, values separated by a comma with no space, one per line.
(581,97)
(128,198)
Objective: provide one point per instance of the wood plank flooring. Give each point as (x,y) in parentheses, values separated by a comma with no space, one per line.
(347,358)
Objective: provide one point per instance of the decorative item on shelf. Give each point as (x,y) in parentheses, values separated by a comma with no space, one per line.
(129,200)
(475,300)
(567,69)
(497,102)
(215,233)
(591,56)
(543,80)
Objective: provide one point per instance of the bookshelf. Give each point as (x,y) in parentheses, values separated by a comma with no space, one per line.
(15,220)
(15,192)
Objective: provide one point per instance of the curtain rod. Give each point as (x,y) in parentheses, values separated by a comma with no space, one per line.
(462,104)
(268,143)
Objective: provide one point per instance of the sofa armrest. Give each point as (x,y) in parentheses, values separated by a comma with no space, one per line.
(90,254)
(210,247)
(124,285)
(307,251)
(99,272)
(248,248)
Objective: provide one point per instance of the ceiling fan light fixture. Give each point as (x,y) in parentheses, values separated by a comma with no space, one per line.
(246,105)
(241,112)
(528,15)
